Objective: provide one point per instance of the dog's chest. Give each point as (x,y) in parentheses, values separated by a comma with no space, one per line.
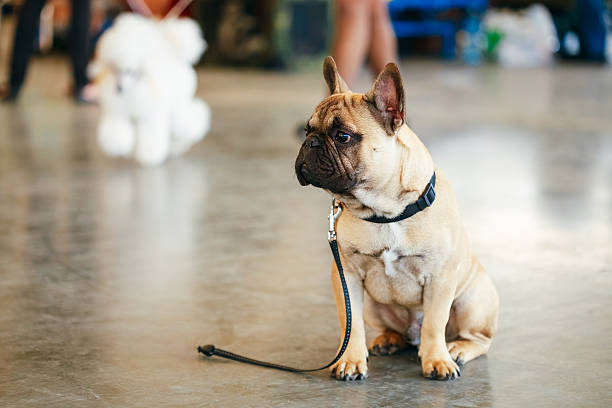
(392,275)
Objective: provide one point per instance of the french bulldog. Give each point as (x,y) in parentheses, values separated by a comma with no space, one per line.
(414,281)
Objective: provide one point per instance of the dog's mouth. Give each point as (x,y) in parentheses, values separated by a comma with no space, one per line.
(302,174)
(305,177)
(335,185)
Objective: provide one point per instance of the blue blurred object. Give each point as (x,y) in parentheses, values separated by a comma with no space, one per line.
(418,18)
(586,20)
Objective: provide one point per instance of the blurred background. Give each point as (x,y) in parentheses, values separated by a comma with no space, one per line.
(112,271)
(289,34)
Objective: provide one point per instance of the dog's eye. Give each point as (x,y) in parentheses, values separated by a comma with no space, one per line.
(342,137)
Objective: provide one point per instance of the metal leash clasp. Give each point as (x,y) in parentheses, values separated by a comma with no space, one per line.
(336,210)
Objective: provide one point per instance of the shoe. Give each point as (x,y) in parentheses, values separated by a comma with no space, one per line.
(7,94)
(87,95)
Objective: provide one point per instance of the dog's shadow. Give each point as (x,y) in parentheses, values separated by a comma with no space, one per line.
(397,379)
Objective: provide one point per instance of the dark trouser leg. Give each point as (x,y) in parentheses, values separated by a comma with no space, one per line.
(27,25)
(79,41)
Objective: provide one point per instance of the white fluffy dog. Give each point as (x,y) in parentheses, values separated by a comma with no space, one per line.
(144,68)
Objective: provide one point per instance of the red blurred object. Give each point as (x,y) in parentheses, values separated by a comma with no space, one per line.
(159,7)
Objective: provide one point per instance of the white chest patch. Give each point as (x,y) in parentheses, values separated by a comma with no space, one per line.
(388,258)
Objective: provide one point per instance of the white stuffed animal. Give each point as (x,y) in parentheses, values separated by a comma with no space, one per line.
(144,68)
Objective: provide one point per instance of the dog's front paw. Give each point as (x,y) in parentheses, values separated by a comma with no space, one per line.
(440,367)
(353,365)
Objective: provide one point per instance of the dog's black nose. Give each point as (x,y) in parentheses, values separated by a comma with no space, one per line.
(314,142)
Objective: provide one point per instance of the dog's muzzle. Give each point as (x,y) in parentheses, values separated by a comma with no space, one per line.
(304,175)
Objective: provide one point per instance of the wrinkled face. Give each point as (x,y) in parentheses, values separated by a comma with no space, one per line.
(336,133)
(349,137)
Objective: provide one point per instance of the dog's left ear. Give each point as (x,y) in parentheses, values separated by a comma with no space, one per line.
(387,95)
(335,83)
(185,37)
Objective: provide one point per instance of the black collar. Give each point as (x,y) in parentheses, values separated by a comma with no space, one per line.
(425,200)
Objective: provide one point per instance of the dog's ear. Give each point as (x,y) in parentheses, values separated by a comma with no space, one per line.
(185,37)
(334,81)
(387,96)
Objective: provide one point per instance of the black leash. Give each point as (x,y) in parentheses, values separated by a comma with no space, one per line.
(210,350)
(424,201)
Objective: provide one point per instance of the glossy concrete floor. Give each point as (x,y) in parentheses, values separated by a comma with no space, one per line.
(111,274)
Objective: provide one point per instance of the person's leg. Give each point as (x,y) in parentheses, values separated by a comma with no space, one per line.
(79,42)
(383,44)
(27,24)
(352,37)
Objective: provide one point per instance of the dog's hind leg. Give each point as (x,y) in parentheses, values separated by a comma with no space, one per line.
(388,343)
(153,139)
(463,351)
(190,122)
(390,323)
(474,318)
